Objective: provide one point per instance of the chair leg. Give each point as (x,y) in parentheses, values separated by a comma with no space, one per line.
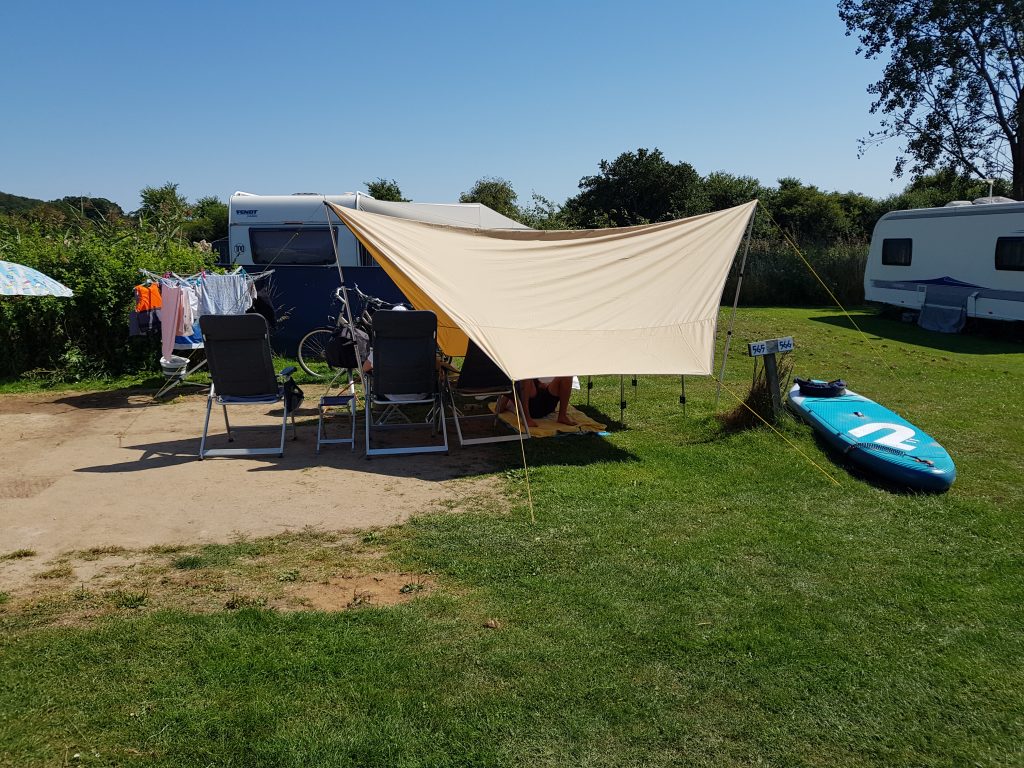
(206,427)
(227,425)
(444,424)
(284,432)
(353,409)
(319,425)
(455,416)
(368,424)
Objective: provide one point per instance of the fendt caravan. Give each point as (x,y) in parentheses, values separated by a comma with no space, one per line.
(962,260)
(293,235)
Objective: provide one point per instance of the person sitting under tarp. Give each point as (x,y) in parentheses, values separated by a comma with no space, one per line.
(541,396)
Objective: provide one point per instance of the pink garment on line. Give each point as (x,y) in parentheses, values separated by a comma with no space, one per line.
(171,316)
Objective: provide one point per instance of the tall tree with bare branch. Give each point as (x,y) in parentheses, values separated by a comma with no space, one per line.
(952,88)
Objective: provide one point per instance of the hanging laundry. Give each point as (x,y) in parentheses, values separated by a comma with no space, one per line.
(226,294)
(144,319)
(170,318)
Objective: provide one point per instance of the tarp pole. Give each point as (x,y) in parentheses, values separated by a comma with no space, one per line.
(682,393)
(622,399)
(735,301)
(347,309)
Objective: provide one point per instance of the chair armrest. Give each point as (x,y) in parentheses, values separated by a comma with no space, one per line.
(287,372)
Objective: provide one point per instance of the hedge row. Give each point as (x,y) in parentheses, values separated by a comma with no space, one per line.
(85,336)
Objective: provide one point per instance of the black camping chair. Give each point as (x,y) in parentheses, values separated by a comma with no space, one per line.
(404,350)
(481,380)
(346,350)
(242,372)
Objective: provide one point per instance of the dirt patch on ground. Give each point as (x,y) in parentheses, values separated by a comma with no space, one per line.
(116,474)
(306,570)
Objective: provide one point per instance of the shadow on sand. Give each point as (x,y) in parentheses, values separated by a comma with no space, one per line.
(299,455)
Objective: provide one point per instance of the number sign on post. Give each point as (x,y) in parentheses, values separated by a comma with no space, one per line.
(768,349)
(770,346)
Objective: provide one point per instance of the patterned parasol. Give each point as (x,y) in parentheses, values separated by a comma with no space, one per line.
(19,280)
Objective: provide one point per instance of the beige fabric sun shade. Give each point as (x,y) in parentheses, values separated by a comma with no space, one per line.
(638,300)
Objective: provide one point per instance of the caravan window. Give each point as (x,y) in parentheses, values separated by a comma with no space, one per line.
(897,251)
(291,245)
(1010,253)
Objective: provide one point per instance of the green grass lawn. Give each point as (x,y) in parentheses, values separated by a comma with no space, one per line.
(686,597)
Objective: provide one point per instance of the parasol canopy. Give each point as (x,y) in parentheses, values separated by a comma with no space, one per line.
(19,280)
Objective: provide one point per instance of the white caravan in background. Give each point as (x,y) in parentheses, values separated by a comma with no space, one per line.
(962,260)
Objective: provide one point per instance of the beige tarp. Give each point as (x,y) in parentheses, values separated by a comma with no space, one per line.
(474,215)
(631,300)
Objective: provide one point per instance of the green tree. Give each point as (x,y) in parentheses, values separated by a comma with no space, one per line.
(952,88)
(936,189)
(723,190)
(497,194)
(385,189)
(97,209)
(163,211)
(208,220)
(542,213)
(808,215)
(637,188)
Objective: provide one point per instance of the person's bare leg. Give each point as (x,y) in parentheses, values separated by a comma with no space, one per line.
(562,388)
(527,391)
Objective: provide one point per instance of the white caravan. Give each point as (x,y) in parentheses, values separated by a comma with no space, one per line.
(962,260)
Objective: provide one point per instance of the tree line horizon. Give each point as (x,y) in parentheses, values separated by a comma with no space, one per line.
(637,187)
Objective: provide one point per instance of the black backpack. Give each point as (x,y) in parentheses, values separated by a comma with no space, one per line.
(340,351)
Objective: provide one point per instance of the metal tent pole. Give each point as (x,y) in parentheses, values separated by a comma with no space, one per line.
(735,301)
(347,309)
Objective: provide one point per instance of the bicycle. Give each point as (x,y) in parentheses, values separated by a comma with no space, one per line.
(313,346)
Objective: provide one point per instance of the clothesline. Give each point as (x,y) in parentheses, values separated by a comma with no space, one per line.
(171,277)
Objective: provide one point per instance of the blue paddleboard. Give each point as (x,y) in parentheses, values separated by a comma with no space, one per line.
(876,439)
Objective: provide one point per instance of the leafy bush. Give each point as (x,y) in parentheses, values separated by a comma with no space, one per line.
(85,336)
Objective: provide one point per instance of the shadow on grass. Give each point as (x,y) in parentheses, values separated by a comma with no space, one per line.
(856,471)
(980,337)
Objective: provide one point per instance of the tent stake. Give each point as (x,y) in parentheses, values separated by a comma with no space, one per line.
(622,399)
(682,393)
(590,386)
(735,301)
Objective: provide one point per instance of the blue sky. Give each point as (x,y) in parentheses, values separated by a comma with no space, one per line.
(105,98)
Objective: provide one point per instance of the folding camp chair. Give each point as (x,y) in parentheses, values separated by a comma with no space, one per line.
(242,372)
(404,373)
(480,380)
(346,399)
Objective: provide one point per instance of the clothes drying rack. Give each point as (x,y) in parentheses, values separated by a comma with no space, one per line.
(178,375)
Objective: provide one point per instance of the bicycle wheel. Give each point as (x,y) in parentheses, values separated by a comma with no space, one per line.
(311,353)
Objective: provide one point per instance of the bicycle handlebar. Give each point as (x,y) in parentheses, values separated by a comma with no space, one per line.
(370,303)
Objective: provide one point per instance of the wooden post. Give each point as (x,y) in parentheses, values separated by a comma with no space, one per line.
(767,350)
(771,374)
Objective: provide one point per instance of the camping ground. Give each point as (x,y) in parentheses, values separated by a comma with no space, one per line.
(687,595)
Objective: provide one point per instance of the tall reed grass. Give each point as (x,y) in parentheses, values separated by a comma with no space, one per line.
(777,276)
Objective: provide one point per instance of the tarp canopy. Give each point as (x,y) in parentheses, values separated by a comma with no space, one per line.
(638,300)
(476,215)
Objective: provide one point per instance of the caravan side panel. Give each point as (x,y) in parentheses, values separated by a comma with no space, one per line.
(291,235)
(970,252)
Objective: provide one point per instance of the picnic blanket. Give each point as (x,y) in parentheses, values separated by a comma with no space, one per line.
(549,426)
